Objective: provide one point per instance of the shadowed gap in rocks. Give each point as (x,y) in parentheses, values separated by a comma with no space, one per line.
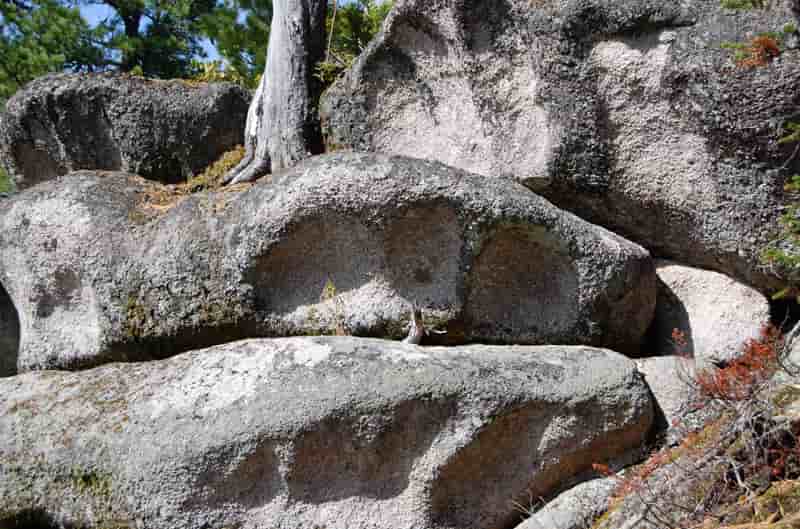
(31,519)
(670,315)
(9,336)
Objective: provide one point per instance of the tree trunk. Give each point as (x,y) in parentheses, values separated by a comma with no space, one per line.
(282,123)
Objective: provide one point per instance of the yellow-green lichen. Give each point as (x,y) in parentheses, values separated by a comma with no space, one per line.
(91,483)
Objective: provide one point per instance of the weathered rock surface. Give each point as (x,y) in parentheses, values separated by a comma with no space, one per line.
(162,130)
(98,272)
(313,432)
(628,112)
(671,381)
(715,313)
(576,508)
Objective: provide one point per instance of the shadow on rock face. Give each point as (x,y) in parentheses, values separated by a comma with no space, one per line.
(9,335)
(30,519)
(671,316)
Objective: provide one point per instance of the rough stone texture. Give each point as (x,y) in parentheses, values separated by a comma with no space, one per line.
(96,275)
(576,508)
(716,313)
(334,432)
(627,112)
(670,381)
(162,130)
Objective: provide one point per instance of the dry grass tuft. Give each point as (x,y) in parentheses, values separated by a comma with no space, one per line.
(157,199)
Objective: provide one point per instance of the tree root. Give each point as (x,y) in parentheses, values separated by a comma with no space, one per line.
(250,169)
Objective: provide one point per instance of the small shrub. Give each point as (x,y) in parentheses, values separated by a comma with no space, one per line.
(217,72)
(744,4)
(784,252)
(329,293)
(328,71)
(717,474)
(5,182)
(742,378)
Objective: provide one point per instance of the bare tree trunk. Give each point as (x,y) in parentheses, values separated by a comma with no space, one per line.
(282,123)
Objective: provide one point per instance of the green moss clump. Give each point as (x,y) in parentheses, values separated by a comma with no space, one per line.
(91,482)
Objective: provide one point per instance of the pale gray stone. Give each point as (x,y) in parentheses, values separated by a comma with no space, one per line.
(576,508)
(334,432)
(716,314)
(629,113)
(348,240)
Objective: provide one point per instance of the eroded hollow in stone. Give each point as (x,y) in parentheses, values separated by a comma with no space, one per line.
(9,335)
(334,250)
(337,270)
(523,288)
(423,248)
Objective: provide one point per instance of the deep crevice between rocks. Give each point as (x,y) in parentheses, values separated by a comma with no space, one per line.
(784,313)
(30,519)
(9,336)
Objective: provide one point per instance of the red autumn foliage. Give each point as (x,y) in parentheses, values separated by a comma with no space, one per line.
(742,377)
(680,344)
(602,469)
(761,51)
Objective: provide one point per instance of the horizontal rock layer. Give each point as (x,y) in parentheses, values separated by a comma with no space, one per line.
(106,267)
(313,432)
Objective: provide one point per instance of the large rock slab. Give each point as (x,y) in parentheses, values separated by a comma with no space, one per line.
(716,315)
(162,130)
(109,267)
(628,112)
(334,432)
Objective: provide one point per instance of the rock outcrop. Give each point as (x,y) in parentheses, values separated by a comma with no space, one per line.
(162,130)
(576,508)
(715,314)
(629,113)
(333,432)
(104,266)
